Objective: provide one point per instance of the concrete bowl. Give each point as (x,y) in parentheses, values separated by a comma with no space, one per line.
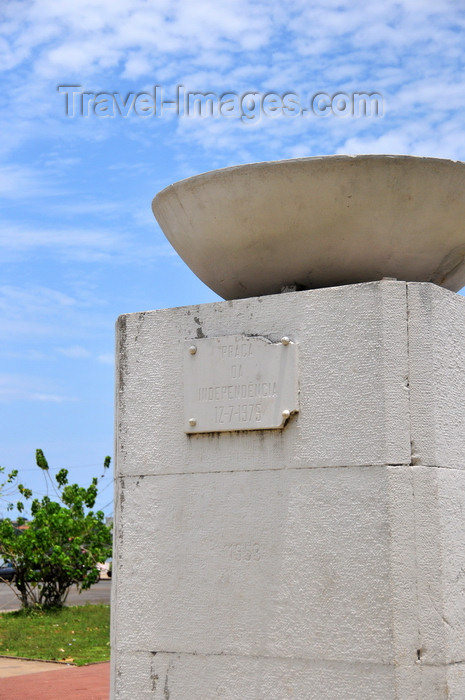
(318,222)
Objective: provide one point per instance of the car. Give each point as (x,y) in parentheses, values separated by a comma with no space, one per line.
(7,572)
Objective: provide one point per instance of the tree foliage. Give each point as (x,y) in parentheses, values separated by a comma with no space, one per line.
(60,545)
(7,486)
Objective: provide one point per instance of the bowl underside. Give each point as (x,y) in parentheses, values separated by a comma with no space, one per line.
(253,229)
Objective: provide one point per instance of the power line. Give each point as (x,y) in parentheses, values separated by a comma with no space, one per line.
(107,504)
(105,487)
(55,469)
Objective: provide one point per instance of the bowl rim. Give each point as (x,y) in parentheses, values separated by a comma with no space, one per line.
(208,174)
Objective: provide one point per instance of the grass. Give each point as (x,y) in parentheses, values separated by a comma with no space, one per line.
(78,635)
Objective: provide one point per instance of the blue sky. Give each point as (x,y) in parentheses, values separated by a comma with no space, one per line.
(78,242)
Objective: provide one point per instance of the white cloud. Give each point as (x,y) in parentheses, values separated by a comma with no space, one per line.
(19,387)
(38,312)
(83,239)
(136,66)
(20,182)
(75,352)
(414,138)
(83,243)
(50,398)
(107,359)
(25,354)
(33,300)
(87,35)
(85,207)
(410,50)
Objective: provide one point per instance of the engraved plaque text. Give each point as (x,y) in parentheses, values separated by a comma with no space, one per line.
(239,383)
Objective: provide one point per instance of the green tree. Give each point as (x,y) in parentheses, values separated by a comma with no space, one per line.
(7,486)
(60,545)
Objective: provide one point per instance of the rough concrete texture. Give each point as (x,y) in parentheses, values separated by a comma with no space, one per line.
(437,375)
(161,676)
(325,560)
(353,370)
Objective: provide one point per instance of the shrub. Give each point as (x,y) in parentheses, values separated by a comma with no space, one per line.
(60,545)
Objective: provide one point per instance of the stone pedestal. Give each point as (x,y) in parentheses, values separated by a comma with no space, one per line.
(321,561)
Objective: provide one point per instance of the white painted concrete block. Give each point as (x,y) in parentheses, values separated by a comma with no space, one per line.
(162,676)
(437,375)
(353,367)
(347,569)
(319,561)
(247,678)
(259,563)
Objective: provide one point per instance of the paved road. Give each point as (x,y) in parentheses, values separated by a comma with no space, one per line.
(100,593)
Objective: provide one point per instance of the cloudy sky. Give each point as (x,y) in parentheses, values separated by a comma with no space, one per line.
(78,242)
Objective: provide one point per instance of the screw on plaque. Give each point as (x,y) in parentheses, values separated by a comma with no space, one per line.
(192,422)
(285,340)
(192,349)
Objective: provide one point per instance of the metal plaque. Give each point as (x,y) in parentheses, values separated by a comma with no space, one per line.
(239,382)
